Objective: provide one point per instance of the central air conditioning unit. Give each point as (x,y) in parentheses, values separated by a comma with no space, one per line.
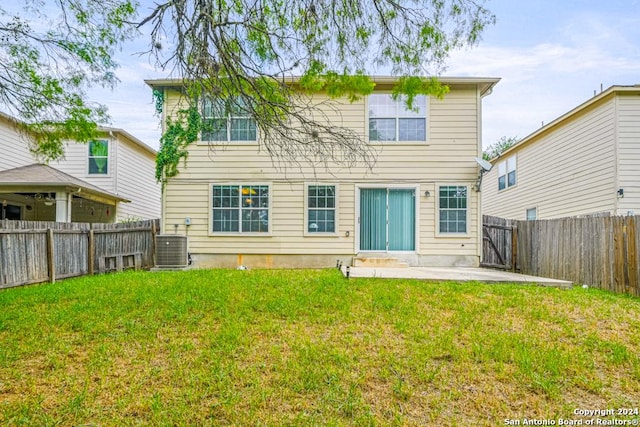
(171,250)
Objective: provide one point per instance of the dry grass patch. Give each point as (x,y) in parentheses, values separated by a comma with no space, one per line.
(309,348)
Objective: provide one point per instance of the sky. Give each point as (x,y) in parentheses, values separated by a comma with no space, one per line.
(552,55)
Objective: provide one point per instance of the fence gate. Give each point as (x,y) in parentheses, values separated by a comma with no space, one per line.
(498,243)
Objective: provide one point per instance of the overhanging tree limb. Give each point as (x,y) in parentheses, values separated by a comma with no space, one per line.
(49,55)
(246,51)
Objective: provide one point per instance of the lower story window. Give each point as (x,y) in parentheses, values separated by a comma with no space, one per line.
(321,203)
(10,212)
(241,208)
(453,209)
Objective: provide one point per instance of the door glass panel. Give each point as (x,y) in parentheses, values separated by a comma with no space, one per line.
(373,219)
(402,229)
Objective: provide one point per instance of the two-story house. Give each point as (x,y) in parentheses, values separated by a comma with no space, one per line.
(106,180)
(585,162)
(418,204)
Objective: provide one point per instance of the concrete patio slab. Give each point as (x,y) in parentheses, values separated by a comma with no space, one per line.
(457,274)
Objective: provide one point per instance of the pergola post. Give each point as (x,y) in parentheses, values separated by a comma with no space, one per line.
(63,206)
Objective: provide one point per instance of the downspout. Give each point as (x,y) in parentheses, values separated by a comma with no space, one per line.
(478,193)
(114,170)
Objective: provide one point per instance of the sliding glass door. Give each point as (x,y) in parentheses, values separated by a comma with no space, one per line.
(387,219)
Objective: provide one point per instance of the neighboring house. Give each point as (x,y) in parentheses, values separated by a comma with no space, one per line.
(107,180)
(586,162)
(417,204)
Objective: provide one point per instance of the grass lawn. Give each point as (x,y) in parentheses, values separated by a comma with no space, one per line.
(310,348)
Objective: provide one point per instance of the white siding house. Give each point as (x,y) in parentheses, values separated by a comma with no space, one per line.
(585,162)
(127,169)
(14,147)
(417,204)
(117,165)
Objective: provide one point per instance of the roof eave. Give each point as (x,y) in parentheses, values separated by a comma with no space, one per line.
(486,84)
(69,186)
(136,141)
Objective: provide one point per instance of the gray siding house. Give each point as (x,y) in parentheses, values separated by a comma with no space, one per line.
(110,179)
(585,162)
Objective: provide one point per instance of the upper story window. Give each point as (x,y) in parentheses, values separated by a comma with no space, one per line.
(507,173)
(99,157)
(391,120)
(227,121)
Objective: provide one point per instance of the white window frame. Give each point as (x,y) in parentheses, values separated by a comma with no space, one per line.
(439,233)
(108,157)
(336,209)
(504,169)
(229,118)
(397,118)
(268,233)
(535,211)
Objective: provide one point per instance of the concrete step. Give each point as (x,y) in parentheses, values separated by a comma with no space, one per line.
(372,262)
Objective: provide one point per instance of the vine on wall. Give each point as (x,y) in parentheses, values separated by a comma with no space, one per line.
(177,136)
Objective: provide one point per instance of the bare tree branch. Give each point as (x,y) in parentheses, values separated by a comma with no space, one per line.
(245,51)
(49,55)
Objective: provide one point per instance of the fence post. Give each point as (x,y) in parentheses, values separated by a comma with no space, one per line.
(153,242)
(632,257)
(51,260)
(91,249)
(514,246)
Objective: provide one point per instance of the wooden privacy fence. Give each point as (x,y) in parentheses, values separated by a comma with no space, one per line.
(601,252)
(499,240)
(37,251)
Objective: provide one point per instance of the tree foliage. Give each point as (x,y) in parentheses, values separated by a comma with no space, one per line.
(246,51)
(49,55)
(500,146)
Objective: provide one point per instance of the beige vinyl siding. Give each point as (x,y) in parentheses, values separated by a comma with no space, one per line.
(287,222)
(568,170)
(449,244)
(629,153)
(446,157)
(15,151)
(135,169)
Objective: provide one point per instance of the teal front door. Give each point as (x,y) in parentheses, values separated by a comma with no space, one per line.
(387,219)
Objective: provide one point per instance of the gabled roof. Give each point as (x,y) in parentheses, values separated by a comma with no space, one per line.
(486,84)
(611,91)
(127,135)
(48,178)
